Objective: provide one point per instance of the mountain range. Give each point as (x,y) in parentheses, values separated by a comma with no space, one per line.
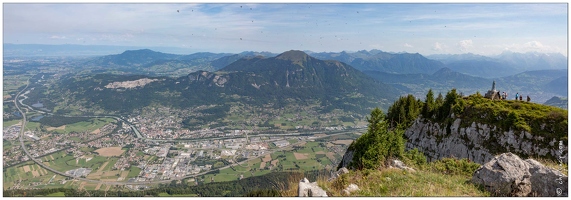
(403,73)
(376,60)
(504,64)
(290,78)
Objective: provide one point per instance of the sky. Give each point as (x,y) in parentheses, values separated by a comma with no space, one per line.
(427,28)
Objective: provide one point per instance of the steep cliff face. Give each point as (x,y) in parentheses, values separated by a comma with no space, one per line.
(477,141)
(347,158)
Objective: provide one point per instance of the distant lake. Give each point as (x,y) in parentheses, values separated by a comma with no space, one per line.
(37,118)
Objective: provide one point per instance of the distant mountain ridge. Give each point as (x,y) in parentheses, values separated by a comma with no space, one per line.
(226,60)
(291,77)
(505,64)
(136,57)
(558,102)
(376,60)
(149,62)
(70,50)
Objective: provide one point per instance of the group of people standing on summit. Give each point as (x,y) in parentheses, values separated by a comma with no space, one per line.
(504,95)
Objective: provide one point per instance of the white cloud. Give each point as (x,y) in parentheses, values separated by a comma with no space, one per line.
(465,45)
(437,46)
(534,45)
(407,45)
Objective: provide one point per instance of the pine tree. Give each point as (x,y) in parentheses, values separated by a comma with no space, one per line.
(437,105)
(427,109)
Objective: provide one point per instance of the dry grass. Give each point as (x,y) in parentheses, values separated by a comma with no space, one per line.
(110,151)
(81,185)
(56,128)
(562,167)
(301,156)
(275,162)
(262,165)
(267,158)
(398,183)
(98,186)
(289,188)
(96,131)
(345,142)
(94,175)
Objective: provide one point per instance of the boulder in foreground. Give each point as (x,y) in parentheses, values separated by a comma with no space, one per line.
(508,175)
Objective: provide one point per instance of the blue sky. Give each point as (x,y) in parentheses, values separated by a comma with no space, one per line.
(428,28)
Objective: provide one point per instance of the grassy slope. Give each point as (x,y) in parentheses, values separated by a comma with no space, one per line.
(394,182)
(529,116)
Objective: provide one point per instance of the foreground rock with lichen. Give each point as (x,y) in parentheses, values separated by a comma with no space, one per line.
(508,175)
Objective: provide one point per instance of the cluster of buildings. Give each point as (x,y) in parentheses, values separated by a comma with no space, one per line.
(11,132)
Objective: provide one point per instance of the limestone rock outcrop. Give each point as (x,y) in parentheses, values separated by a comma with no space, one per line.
(477,142)
(508,175)
(505,175)
(546,182)
(308,189)
(347,158)
(351,188)
(339,172)
(400,165)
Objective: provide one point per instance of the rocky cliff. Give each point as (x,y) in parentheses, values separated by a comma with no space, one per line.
(478,142)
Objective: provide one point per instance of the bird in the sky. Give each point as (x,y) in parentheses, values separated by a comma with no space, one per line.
(177,11)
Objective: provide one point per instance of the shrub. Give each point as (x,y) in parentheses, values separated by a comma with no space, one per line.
(455,166)
(340,182)
(414,157)
(377,144)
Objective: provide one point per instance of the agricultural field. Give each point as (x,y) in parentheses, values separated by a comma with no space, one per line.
(28,175)
(305,157)
(110,151)
(12,83)
(10,123)
(91,125)
(133,172)
(32,126)
(7,144)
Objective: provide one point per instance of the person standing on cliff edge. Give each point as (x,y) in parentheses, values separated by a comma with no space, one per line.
(516,96)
